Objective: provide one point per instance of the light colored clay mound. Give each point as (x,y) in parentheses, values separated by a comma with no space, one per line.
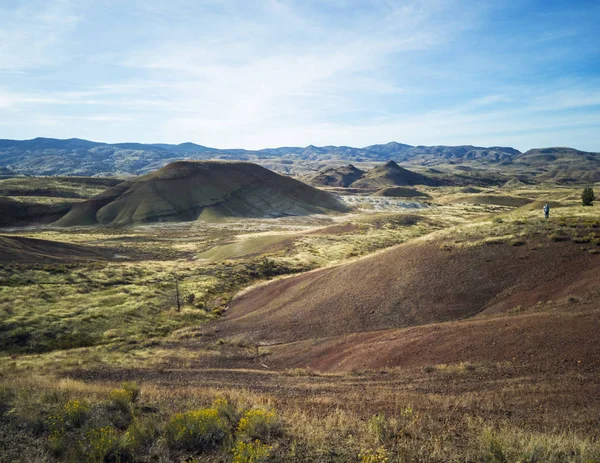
(391,174)
(542,340)
(413,284)
(30,250)
(401,192)
(491,200)
(210,190)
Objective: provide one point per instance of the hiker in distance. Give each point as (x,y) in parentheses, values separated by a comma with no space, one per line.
(546,211)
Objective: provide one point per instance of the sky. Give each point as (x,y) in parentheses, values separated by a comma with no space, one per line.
(267,73)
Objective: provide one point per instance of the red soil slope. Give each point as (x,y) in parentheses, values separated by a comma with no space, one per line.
(414,284)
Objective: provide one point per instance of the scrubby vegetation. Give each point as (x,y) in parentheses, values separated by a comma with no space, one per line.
(116,427)
(76,422)
(97,364)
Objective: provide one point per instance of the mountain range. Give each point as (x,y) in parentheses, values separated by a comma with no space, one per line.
(49,156)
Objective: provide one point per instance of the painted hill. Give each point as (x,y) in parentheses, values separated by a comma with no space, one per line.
(209,190)
(391,174)
(337,176)
(402,288)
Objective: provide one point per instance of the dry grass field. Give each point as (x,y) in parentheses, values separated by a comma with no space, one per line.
(464,330)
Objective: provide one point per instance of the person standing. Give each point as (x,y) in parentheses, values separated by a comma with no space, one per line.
(546,211)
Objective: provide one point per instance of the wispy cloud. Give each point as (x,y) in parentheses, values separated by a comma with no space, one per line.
(31,33)
(231,73)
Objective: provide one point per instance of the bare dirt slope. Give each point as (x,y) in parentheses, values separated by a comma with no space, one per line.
(422,282)
(188,190)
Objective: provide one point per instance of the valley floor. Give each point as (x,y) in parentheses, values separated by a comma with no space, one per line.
(98,363)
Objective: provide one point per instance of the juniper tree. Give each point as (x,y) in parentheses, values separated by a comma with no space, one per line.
(587,197)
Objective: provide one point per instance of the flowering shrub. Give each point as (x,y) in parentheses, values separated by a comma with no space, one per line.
(258,424)
(227,411)
(75,412)
(252,452)
(133,389)
(102,444)
(141,433)
(196,430)
(121,399)
(72,415)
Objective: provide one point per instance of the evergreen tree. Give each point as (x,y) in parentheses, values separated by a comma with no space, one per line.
(587,197)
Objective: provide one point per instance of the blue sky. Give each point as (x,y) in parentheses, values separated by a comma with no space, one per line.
(265,73)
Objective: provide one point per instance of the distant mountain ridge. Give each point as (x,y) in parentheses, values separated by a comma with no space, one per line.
(49,156)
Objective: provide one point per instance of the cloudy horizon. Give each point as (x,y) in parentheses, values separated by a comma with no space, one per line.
(233,74)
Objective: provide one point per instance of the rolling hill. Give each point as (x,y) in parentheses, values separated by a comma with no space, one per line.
(562,165)
(28,201)
(31,250)
(208,190)
(542,341)
(17,213)
(427,281)
(343,176)
(391,174)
